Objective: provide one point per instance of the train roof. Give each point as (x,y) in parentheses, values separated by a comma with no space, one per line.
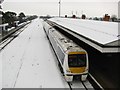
(66,43)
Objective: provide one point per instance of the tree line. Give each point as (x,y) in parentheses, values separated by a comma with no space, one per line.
(10,18)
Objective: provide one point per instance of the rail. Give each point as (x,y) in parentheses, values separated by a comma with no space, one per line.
(3,37)
(5,40)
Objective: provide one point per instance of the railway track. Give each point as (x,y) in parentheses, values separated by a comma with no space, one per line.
(86,85)
(79,85)
(9,37)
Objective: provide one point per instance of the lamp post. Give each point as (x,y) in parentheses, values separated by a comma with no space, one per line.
(59,7)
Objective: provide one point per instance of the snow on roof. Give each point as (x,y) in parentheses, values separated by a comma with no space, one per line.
(101,32)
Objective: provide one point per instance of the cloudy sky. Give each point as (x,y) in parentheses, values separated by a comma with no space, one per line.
(43,7)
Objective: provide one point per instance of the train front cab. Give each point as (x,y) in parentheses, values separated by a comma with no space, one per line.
(77,66)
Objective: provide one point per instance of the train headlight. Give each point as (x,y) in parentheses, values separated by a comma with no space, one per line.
(86,69)
(68,71)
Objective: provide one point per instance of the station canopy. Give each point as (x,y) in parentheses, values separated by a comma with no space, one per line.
(102,35)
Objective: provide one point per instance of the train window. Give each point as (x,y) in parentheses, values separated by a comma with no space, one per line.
(77,60)
(82,59)
(72,60)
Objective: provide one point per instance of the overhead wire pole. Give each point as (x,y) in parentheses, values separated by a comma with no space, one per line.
(59,7)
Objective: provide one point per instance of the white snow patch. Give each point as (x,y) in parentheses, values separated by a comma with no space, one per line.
(28,61)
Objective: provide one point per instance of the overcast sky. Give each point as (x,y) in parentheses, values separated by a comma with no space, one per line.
(61,0)
(43,7)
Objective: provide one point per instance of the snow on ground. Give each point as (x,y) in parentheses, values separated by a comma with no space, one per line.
(99,31)
(28,61)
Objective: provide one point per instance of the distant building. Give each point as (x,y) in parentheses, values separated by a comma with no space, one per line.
(106,17)
(65,16)
(74,16)
(83,16)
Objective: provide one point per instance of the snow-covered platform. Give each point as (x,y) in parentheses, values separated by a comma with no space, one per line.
(101,35)
(28,61)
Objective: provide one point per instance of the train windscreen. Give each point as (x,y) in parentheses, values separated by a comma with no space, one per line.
(77,60)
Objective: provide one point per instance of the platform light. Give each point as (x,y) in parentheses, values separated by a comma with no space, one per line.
(59,7)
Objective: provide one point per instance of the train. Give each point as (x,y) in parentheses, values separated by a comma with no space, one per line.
(72,59)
